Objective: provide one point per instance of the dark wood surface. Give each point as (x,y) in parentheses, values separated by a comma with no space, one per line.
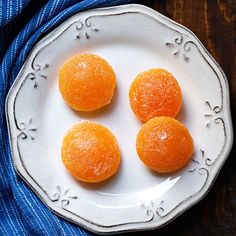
(214,22)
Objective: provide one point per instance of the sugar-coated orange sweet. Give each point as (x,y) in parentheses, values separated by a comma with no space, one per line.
(155,93)
(164,144)
(90,152)
(87,82)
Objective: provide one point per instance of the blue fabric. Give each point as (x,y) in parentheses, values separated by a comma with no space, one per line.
(21,211)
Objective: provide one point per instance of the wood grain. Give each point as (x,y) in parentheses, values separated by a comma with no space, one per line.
(214,22)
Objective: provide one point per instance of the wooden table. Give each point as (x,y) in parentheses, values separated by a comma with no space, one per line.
(214,22)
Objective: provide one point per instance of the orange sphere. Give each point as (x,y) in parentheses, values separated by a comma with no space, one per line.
(164,144)
(155,93)
(90,152)
(86,82)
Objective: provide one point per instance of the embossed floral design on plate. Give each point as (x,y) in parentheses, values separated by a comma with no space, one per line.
(132,38)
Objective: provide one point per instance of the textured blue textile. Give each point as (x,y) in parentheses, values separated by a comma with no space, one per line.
(21,211)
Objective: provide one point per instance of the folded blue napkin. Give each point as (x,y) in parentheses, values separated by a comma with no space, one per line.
(21,211)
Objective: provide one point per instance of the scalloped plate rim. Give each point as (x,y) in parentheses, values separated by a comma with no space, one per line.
(196,198)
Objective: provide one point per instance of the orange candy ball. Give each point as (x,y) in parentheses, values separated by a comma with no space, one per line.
(87,82)
(155,93)
(164,144)
(90,152)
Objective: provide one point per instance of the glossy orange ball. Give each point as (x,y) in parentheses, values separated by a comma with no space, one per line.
(155,93)
(90,152)
(164,144)
(87,82)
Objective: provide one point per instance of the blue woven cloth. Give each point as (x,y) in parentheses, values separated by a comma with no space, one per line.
(21,211)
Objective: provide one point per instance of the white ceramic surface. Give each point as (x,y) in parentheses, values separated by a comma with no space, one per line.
(131,38)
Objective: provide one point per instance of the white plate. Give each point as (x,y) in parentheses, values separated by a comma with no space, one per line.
(132,38)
